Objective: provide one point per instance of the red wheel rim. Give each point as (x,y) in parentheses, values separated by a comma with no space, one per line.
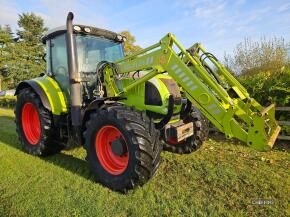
(111,162)
(30,123)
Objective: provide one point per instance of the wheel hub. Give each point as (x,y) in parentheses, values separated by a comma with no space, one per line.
(119,147)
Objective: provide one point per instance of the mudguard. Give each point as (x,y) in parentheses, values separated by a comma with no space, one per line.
(52,97)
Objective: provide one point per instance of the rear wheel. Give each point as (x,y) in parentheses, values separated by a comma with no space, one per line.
(112,149)
(192,143)
(34,125)
(123,147)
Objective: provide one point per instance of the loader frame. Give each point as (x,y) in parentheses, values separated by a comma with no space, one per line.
(238,116)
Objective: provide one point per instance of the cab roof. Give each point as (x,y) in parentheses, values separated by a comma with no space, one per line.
(93,31)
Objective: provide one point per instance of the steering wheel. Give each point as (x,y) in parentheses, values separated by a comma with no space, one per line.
(61,70)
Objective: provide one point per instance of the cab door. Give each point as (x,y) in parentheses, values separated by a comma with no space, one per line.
(57,65)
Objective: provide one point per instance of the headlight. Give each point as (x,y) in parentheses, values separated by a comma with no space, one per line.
(77,28)
(87,29)
(119,37)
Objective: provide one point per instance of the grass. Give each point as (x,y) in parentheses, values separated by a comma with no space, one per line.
(220,179)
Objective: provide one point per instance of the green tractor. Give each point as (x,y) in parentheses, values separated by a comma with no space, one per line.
(125,109)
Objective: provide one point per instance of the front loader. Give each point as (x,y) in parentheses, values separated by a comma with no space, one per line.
(125,109)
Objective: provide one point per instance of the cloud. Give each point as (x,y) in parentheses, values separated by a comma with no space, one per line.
(55,12)
(220,33)
(240,2)
(209,9)
(8,13)
(141,14)
(218,24)
(284,7)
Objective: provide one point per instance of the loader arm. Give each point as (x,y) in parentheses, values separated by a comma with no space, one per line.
(215,92)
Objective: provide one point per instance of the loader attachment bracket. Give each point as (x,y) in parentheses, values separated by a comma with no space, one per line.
(264,129)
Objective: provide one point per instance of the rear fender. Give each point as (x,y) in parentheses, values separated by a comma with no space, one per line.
(49,92)
(37,89)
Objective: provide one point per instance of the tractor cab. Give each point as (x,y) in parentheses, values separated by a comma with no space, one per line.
(92,45)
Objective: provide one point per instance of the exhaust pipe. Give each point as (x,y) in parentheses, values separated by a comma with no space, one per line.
(74,77)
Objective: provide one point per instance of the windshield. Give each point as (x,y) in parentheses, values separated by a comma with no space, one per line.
(92,49)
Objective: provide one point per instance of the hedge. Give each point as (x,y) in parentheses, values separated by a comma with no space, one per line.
(7,101)
(270,87)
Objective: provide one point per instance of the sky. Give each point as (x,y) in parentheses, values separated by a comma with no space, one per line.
(218,24)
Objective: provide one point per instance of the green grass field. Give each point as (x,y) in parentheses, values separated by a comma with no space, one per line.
(220,179)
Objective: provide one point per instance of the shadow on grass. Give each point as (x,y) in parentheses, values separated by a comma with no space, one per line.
(65,161)
(70,163)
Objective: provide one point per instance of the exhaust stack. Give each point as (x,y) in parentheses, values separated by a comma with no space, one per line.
(74,77)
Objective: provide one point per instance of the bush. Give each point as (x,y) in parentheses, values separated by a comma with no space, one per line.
(264,70)
(250,57)
(7,101)
(268,87)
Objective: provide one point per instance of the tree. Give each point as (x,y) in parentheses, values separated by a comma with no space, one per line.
(251,57)
(5,41)
(5,35)
(6,44)
(25,60)
(32,28)
(129,46)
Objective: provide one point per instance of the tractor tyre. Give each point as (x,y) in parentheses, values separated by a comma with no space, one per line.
(200,134)
(34,125)
(123,148)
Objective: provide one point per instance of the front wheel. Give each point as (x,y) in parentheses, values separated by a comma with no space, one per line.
(194,142)
(123,147)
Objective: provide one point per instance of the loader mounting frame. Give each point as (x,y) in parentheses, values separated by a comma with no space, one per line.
(238,116)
